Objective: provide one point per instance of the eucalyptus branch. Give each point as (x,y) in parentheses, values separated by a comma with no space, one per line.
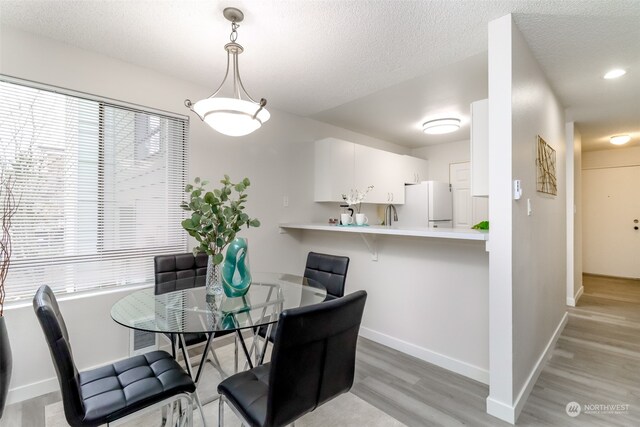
(9,208)
(216,216)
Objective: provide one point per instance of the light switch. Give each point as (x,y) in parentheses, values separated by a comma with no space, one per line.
(529,209)
(517,189)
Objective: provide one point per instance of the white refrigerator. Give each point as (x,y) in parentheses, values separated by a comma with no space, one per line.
(426,204)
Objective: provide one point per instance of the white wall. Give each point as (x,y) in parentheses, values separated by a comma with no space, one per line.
(617,157)
(574,214)
(427,297)
(611,201)
(277,159)
(527,253)
(440,156)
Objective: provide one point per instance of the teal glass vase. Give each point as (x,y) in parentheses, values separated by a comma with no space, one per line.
(236,275)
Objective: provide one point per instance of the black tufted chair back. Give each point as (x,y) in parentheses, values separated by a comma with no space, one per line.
(55,331)
(313,357)
(174,271)
(328,270)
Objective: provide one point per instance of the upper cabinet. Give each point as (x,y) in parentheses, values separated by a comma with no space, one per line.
(382,170)
(334,169)
(480,148)
(414,169)
(341,166)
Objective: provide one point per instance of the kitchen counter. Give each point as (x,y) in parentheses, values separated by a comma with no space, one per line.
(442,233)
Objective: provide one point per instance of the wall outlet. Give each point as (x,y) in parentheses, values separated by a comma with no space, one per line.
(285,201)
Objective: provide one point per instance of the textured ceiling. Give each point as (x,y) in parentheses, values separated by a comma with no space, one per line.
(397,113)
(575,52)
(307,57)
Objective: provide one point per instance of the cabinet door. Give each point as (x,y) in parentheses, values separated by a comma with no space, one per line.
(480,148)
(381,169)
(334,169)
(414,169)
(371,170)
(397,173)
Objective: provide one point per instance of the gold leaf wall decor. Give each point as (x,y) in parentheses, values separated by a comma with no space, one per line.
(546,167)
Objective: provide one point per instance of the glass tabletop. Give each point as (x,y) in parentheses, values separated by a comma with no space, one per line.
(191,310)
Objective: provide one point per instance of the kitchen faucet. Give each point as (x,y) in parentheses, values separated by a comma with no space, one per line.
(388,220)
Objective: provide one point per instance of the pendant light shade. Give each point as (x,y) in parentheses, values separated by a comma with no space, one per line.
(231,116)
(239,114)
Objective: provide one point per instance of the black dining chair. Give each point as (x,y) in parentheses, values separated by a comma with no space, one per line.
(113,392)
(329,271)
(313,361)
(171,274)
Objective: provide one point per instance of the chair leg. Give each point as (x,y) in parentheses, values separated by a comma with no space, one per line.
(170,409)
(173,346)
(164,416)
(235,355)
(199,404)
(221,412)
(189,413)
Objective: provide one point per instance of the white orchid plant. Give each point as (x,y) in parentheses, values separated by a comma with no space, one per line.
(356,197)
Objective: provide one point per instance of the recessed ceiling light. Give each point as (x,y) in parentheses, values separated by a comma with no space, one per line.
(439,126)
(620,139)
(614,74)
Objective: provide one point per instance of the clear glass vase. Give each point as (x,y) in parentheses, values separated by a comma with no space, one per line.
(214,278)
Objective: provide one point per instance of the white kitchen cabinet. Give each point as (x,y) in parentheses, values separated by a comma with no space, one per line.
(480,148)
(341,166)
(414,169)
(334,169)
(381,169)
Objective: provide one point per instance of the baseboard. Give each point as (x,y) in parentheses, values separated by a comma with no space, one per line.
(573,301)
(501,410)
(535,372)
(609,276)
(29,391)
(511,413)
(39,388)
(446,362)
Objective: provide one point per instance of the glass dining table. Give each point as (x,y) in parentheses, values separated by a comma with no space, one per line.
(189,310)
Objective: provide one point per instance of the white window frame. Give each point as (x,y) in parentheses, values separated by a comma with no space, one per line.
(15,303)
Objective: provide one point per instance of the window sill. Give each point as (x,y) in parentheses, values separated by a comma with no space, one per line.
(61,297)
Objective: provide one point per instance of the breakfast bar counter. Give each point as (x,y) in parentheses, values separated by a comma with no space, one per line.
(442,233)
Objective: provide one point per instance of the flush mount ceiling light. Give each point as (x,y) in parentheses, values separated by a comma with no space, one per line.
(620,139)
(237,115)
(614,74)
(439,126)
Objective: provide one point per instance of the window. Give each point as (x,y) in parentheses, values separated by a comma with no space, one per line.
(100,187)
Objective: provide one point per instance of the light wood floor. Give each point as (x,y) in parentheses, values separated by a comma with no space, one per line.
(596,361)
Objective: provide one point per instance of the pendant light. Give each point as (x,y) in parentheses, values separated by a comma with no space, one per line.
(240,114)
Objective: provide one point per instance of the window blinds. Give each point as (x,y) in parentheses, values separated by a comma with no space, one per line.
(100,187)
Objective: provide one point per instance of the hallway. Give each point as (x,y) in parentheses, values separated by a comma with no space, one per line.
(596,360)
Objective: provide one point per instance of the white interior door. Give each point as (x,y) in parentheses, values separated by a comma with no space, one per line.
(611,205)
(460,180)
(467,210)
